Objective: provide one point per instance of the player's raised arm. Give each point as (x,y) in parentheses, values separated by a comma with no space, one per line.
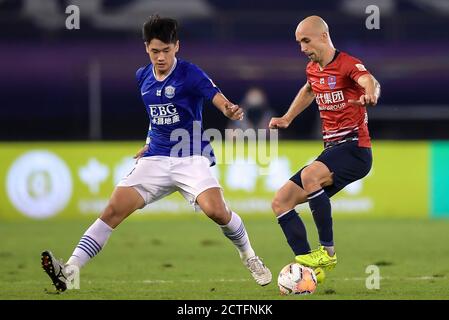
(372,91)
(230,110)
(302,100)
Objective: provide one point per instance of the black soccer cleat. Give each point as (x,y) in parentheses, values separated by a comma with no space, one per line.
(55,270)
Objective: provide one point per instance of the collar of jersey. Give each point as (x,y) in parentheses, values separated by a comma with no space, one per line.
(337,52)
(169,73)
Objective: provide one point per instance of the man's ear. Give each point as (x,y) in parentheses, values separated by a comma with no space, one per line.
(177,46)
(325,36)
(146,47)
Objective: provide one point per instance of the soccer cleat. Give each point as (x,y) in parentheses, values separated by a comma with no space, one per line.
(55,270)
(320,275)
(318,258)
(258,270)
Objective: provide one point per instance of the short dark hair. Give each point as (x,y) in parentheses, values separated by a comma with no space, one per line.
(164,29)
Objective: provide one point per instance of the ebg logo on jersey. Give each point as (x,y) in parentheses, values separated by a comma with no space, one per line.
(162,114)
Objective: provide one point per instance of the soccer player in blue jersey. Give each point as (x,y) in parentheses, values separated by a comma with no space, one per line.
(173,92)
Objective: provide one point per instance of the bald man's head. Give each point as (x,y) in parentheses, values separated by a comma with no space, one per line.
(312,24)
(312,34)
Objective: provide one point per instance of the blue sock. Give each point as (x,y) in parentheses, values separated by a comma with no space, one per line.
(295,232)
(321,210)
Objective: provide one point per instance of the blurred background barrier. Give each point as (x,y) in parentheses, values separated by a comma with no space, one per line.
(79,84)
(72,180)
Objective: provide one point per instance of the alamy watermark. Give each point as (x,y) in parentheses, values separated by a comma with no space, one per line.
(255,146)
(372,281)
(73,19)
(373,20)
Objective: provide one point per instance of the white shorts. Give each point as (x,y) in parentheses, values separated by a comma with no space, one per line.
(159,176)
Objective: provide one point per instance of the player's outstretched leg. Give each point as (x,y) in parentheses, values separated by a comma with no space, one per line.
(325,256)
(313,178)
(212,203)
(91,243)
(123,202)
(288,197)
(283,204)
(235,231)
(89,246)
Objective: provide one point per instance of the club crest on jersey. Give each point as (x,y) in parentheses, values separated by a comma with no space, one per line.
(169,92)
(332,81)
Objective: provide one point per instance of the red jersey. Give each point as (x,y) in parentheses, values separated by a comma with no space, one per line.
(333,87)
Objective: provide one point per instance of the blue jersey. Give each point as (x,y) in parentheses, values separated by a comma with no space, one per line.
(174,106)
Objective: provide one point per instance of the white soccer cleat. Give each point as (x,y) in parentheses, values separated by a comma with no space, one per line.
(55,270)
(258,270)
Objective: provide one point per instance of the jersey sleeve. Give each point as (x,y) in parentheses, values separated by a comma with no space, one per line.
(202,84)
(354,68)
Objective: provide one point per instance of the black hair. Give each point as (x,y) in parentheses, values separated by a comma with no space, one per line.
(163,29)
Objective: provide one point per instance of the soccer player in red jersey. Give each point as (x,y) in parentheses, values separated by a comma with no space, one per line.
(342,89)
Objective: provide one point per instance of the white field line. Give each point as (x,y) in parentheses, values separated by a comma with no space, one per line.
(153,281)
(160,281)
(421,278)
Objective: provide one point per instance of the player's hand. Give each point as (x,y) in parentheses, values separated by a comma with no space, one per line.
(278,123)
(365,100)
(233,112)
(140,153)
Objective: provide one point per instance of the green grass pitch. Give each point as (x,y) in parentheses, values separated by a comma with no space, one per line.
(187,257)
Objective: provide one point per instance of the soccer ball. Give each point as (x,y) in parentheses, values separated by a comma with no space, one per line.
(296,279)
